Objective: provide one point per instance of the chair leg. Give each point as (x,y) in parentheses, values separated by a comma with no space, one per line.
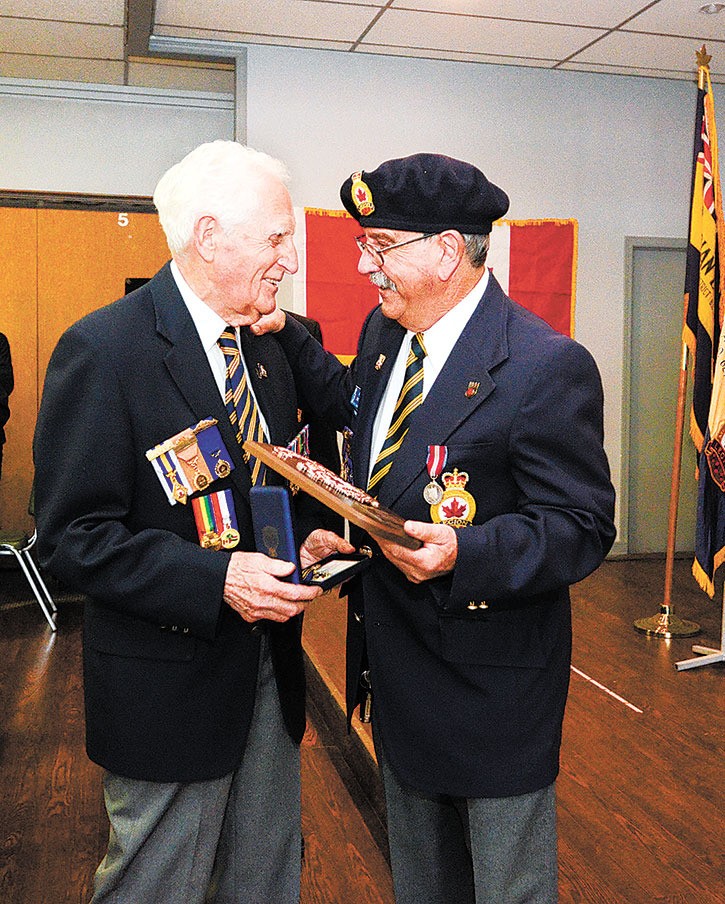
(23,560)
(40,583)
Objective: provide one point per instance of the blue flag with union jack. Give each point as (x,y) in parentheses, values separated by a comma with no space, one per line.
(704,336)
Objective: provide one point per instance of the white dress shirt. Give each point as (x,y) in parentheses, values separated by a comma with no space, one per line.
(438,340)
(209,325)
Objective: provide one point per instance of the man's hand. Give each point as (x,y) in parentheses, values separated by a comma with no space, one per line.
(436,557)
(269,323)
(253,588)
(321,543)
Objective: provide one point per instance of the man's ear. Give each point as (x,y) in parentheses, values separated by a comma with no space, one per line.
(453,248)
(205,237)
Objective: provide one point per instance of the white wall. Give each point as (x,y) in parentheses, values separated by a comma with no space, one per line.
(112,140)
(612,151)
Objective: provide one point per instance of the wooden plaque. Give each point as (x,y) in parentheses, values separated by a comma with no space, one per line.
(331,490)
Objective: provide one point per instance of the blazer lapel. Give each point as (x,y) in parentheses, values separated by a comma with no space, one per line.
(262,365)
(379,357)
(188,366)
(463,385)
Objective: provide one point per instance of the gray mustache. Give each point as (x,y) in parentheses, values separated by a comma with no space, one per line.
(381,281)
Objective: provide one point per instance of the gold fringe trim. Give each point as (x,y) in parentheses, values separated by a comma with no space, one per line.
(698,572)
(321,212)
(705,582)
(541,221)
(574,266)
(695,433)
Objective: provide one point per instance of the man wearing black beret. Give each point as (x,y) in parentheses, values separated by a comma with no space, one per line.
(482,427)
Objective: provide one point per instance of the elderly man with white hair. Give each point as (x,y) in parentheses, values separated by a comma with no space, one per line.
(194,683)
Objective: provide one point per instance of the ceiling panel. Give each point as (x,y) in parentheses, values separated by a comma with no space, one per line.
(103,12)
(62,69)
(473,34)
(459,56)
(649,51)
(597,13)
(680,17)
(300,19)
(66,39)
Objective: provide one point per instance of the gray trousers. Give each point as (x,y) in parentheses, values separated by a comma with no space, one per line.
(451,850)
(233,840)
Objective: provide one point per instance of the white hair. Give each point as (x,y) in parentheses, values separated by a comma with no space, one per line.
(220,179)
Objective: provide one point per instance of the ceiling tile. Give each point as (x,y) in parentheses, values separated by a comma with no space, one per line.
(458,56)
(680,17)
(650,52)
(599,13)
(102,12)
(447,32)
(61,39)
(235,19)
(61,69)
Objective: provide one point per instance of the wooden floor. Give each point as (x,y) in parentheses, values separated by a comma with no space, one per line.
(641,792)
(53,828)
(642,786)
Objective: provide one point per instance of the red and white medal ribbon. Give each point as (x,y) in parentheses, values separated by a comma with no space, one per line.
(436,461)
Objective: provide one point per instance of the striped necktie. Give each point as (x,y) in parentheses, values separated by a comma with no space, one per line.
(411,396)
(240,402)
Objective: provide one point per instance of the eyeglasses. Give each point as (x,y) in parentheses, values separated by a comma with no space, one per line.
(377,254)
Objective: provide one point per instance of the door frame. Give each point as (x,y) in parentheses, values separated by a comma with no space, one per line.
(631,245)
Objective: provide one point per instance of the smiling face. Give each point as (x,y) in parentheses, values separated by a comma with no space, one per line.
(250,259)
(407,283)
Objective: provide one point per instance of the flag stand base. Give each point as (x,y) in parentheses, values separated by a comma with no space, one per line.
(666,624)
(706,655)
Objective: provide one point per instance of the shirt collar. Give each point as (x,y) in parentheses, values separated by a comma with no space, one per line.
(209,325)
(440,338)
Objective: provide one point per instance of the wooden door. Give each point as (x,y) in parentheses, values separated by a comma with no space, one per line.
(58,265)
(19,322)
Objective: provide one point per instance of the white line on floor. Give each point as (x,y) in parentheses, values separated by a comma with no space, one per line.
(606,690)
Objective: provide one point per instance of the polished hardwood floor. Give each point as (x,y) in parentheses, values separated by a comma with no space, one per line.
(53,828)
(642,786)
(641,792)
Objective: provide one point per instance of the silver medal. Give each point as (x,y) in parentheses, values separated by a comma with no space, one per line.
(433,493)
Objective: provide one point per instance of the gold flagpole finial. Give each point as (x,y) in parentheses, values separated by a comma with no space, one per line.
(703,57)
(703,63)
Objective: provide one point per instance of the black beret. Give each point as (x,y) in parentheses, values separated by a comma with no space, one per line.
(424,193)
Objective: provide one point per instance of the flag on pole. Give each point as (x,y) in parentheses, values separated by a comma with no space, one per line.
(534,260)
(701,328)
(704,284)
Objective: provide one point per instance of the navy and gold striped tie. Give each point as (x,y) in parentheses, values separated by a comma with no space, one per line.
(411,396)
(240,402)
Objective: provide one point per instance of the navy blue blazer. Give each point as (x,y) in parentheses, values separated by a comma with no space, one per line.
(470,701)
(170,669)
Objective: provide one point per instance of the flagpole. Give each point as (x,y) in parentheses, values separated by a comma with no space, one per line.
(665,623)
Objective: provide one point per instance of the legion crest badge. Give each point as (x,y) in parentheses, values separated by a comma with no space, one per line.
(456,505)
(362,197)
(715,457)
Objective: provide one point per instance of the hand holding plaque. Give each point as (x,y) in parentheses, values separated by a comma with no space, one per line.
(331,490)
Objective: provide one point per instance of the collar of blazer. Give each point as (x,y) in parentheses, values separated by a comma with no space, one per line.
(460,389)
(188,366)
